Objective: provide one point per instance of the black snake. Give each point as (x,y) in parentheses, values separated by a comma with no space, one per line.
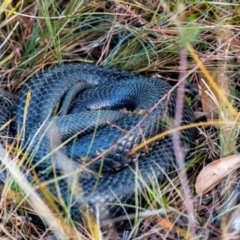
(91,109)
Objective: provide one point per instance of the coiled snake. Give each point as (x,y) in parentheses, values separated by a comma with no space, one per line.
(99,113)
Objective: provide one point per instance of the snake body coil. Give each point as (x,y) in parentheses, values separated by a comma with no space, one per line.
(69,106)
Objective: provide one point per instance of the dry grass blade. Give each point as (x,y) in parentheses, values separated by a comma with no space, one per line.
(4,5)
(60,229)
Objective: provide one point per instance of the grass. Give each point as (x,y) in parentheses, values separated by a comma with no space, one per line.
(145,37)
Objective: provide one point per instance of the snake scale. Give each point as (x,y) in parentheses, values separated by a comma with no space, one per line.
(87,110)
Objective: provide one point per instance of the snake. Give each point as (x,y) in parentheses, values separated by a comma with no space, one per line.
(95,116)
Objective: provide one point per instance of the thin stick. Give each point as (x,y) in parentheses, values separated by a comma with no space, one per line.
(179,152)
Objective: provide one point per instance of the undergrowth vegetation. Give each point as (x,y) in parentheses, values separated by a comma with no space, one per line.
(179,41)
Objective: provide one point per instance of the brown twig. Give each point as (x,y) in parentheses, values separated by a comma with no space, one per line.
(179,152)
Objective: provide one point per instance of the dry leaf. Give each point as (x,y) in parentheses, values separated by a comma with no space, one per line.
(170,226)
(212,101)
(208,98)
(211,174)
(216,109)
